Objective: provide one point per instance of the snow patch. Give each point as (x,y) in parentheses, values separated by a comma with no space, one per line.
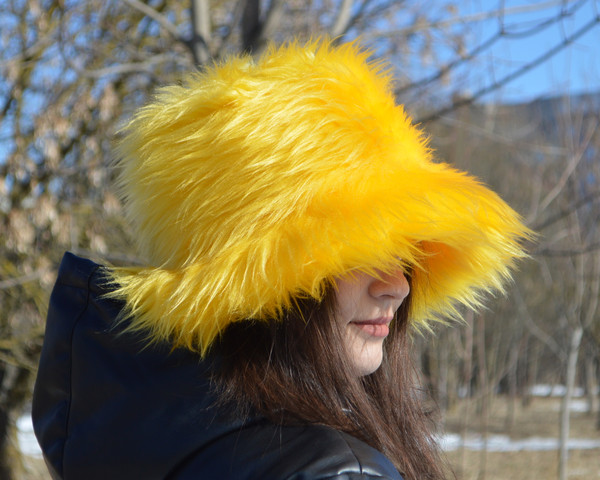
(27,441)
(543,390)
(503,443)
(580,406)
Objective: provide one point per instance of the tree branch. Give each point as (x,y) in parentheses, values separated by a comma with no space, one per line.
(250,25)
(536,331)
(468,100)
(343,19)
(272,20)
(444,70)
(157,17)
(498,13)
(567,211)
(254,32)
(200,31)
(569,169)
(121,68)
(548,252)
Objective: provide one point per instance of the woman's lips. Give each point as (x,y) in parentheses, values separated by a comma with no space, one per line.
(378,327)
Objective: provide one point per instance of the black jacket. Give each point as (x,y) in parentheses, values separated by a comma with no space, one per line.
(106,406)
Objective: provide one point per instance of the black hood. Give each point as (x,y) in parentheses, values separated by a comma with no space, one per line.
(106,402)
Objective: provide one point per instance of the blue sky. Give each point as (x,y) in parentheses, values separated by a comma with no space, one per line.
(575,69)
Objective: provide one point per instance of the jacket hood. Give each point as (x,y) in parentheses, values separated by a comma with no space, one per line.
(106,407)
(257,182)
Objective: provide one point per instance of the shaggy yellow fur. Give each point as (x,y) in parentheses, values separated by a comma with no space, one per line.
(258,181)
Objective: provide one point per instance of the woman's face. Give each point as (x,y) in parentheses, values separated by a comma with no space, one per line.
(365,307)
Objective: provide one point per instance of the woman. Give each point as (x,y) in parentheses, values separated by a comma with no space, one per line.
(296,228)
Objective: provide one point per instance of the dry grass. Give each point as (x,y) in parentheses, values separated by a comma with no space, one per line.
(539,419)
(35,469)
(469,465)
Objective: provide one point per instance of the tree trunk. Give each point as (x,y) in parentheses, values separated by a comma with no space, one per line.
(532,372)
(442,381)
(200,13)
(512,385)
(13,392)
(591,384)
(483,393)
(11,464)
(465,383)
(563,455)
(598,415)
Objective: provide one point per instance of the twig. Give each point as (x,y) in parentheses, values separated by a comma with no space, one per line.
(569,169)
(468,100)
(548,252)
(567,211)
(343,19)
(153,14)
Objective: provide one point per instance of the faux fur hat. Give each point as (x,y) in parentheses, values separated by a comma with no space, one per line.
(257,182)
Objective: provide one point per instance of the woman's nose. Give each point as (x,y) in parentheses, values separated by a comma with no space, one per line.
(394,285)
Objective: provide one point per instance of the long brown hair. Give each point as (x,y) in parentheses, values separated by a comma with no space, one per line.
(296,370)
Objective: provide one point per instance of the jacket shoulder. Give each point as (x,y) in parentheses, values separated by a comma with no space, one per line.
(308,452)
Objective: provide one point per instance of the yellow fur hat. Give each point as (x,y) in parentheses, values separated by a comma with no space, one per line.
(260,181)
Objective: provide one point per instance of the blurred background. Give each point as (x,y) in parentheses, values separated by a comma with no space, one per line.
(509,90)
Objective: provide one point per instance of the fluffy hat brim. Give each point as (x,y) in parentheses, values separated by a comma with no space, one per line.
(255,183)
